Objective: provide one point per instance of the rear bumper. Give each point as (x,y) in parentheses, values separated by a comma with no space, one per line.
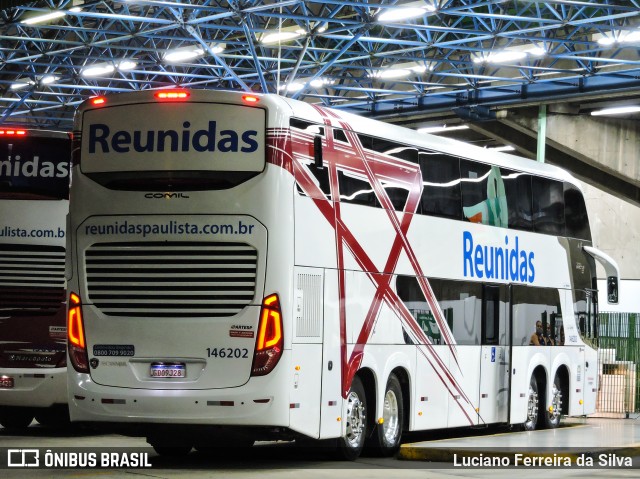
(35,387)
(260,402)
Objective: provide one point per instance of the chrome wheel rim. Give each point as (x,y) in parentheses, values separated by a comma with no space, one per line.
(532,409)
(390,424)
(355,420)
(556,403)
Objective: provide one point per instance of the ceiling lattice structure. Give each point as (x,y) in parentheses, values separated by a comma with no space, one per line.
(585,49)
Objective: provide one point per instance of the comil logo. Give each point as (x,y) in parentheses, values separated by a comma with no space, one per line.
(23,458)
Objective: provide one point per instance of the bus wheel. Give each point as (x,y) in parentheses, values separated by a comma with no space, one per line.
(15,417)
(532,406)
(554,414)
(386,439)
(355,417)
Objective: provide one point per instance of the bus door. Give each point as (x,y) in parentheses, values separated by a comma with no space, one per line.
(495,356)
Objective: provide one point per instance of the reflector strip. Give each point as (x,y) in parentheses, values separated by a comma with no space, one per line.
(333,403)
(220,403)
(113,401)
(294,405)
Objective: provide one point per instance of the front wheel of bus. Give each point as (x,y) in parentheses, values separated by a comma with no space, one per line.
(554,414)
(15,417)
(532,406)
(386,439)
(355,417)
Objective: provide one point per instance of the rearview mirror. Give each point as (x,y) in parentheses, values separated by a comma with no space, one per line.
(612,290)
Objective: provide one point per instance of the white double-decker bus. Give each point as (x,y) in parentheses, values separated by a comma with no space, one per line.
(34,201)
(245,267)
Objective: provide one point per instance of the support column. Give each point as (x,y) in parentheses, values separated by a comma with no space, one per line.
(542,132)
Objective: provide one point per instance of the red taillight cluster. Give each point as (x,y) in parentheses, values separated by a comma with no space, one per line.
(12,132)
(172,95)
(75,335)
(269,343)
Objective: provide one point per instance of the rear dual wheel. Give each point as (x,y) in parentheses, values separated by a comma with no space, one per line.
(385,440)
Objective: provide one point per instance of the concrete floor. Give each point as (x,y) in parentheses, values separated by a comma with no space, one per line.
(284,460)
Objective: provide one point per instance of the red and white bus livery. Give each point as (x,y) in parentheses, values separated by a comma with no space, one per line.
(249,266)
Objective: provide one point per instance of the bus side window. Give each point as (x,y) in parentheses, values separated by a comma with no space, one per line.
(548,206)
(441,185)
(575,213)
(304,145)
(397,191)
(476,198)
(530,306)
(411,294)
(518,192)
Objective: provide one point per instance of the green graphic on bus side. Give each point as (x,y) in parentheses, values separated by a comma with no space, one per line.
(427,323)
(492,211)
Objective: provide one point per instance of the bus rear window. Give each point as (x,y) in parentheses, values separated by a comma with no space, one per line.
(34,168)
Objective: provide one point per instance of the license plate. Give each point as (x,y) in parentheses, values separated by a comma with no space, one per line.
(168,370)
(6,382)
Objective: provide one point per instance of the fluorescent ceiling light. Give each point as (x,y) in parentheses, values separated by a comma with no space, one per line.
(617,36)
(400,70)
(21,83)
(51,15)
(511,54)
(282,36)
(126,65)
(502,148)
(405,12)
(97,70)
(48,79)
(443,128)
(619,110)
(183,54)
(300,84)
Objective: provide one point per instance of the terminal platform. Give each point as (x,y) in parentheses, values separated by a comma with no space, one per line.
(576,437)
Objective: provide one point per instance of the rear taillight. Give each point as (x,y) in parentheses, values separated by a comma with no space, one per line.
(75,335)
(12,132)
(269,343)
(175,94)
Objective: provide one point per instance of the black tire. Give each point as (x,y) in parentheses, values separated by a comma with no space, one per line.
(533,406)
(16,417)
(385,440)
(355,417)
(553,416)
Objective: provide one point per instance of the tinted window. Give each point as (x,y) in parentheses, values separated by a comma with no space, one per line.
(585,308)
(355,188)
(517,188)
(530,305)
(411,295)
(394,149)
(483,194)
(575,213)
(461,303)
(441,185)
(340,135)
(548,206)
(35,167)
(320,176)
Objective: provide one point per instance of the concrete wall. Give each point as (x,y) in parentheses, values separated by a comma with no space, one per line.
(615,225)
